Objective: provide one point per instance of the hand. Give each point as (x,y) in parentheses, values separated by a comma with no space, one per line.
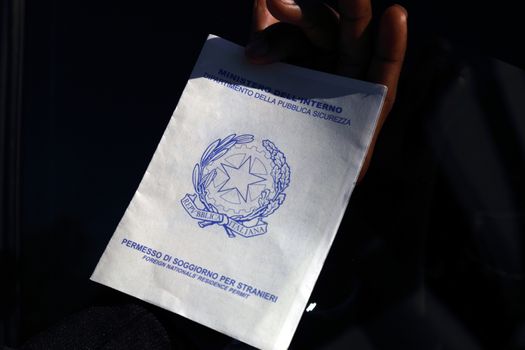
(313,34)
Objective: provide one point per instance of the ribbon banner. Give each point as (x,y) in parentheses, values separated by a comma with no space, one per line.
(232,226)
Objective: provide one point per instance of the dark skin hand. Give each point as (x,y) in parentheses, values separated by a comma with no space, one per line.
(315,35)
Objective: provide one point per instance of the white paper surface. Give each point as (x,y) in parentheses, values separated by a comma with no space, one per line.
(269,199)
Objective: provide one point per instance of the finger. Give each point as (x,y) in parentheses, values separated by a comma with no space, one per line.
(317,20)
(261,18)
(258,49)
(280,42)
(387,61)
(389,52)
(354,41)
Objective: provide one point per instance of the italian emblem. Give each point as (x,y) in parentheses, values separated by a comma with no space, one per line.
(237,184)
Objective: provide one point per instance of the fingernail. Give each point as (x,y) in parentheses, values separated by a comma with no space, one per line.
(403,9)
(258,47)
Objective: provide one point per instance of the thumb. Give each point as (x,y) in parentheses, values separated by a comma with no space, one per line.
(318,21)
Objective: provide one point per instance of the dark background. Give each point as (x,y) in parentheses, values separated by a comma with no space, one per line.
(429,255)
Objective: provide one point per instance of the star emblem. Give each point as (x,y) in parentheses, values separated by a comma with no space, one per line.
(240,178)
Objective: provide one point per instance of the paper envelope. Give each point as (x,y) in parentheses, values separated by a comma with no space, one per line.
(242,199)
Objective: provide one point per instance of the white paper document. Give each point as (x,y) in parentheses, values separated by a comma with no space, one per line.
(242,199)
